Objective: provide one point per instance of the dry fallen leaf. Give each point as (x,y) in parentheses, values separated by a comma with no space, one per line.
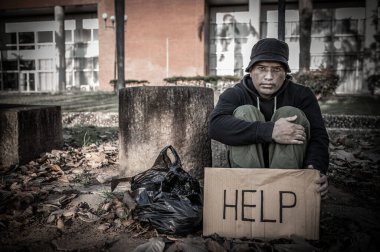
(120,212)
(104,226)
(60,224)
(56,168)
(87,217)
(63,179)
(50,219)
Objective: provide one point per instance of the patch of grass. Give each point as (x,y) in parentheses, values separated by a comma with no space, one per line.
(109,196)
(83,178)
(69,102)
(87,135)
(108,102)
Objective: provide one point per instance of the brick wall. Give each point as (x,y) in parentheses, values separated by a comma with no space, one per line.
(150,24)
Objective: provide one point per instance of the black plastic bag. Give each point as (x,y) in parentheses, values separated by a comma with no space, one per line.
(167,197)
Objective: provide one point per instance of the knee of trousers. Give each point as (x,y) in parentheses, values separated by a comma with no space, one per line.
(248,113)
(288,111)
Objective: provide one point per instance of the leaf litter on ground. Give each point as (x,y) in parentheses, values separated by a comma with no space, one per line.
(42,191)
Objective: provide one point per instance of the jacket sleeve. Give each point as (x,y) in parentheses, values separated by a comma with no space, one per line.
(227,129)
(318,148)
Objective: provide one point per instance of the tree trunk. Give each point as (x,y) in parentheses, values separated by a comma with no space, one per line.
(305,8)
(151,118)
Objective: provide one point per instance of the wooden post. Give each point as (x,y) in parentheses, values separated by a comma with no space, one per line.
(152,117)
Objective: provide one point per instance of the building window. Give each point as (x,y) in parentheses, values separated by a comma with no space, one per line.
(11,41)
(45,37)
(10,81)
(45,81)
(29,56)
(83,35)
(95,35)
(45,64)
(68,36)
(27,65)
(26,40)
(10,65)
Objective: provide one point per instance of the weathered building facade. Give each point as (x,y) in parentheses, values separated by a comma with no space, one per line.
(47,46)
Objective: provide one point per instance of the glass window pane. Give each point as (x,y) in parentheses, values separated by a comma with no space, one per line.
(45,47)
(10,38)
(10,65)
(28,47)
(45,37)
(80,49)
(82,35)
(95,33)
(69,78)
(84,63)
(96,78)
(79,63)
(10,81)
(45,64)
(27,65)
(26,37)
(32,86)
(81,78)
(96,63)
(69,51)
(23,81)
(86,35)
(88,63)
(69,63)
(45,81)
(11,47)
(68,36)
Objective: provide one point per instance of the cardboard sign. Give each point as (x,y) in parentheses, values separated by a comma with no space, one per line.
(261,203)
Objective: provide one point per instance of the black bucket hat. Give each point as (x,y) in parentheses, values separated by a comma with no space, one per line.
(270,49)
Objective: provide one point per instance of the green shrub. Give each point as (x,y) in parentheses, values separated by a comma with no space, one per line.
(322,82)
(128,82)
(200,79)
(213,81)
(373,82)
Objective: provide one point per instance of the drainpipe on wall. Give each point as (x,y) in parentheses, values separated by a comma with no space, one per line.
(167,57)
(60,64)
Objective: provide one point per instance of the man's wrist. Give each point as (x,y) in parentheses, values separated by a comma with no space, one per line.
(264,132)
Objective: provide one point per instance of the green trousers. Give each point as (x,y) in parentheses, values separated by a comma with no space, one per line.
(287,156)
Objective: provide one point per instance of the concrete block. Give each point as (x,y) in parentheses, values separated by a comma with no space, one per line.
(26,131)
(153,117)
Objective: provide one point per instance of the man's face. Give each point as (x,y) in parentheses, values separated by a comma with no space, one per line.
(267,77)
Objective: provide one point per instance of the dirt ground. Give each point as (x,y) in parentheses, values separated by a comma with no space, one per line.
(62,201)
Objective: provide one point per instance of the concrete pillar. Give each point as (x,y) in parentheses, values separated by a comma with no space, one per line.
(26,131)
(152,117)
(254,7)
(370,61)
(59,17)
(119,12)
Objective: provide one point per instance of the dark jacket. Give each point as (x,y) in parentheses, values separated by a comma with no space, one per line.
(227,129)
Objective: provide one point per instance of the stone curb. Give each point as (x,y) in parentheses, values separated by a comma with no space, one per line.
(111,119)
